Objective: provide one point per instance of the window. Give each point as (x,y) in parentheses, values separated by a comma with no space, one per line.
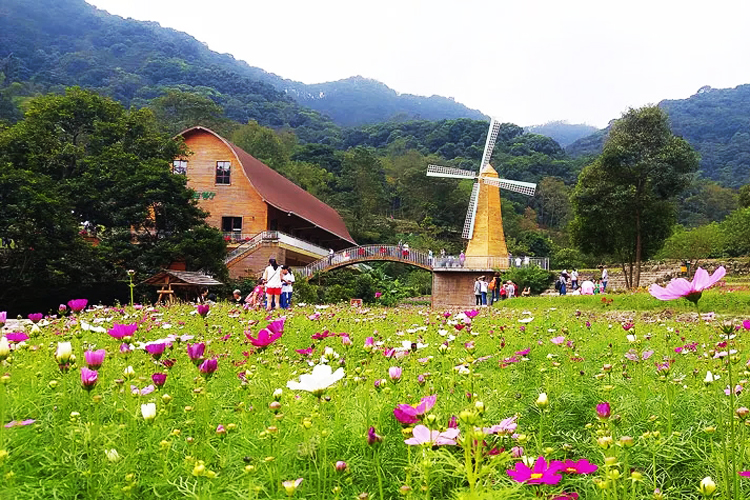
(179,167)
(222,172)
(231,224)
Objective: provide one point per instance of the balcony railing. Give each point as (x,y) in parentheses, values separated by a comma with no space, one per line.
(249,242)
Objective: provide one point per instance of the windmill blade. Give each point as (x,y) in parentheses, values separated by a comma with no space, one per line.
(471,213)
(527,188)
(456,173)
(490,144)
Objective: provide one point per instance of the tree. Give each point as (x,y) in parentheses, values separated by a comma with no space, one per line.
(744,196)
(737,232)
(264,144)
(624,201)
(361,192)
(177,111)
(696,244)
(82,159)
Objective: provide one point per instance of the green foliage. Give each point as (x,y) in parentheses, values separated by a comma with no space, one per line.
(744,196)
(81,158)
(535,277)
(623,202)
(705,202)
(562,132)
(568,258)
(696,244)
(737,232)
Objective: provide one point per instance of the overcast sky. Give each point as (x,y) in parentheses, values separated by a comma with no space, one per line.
(523,61)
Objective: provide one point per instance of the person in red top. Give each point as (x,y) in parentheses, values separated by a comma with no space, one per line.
(361,252)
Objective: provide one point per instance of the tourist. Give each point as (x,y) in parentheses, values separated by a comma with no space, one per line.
(272,277)
(330,256)
(206,297)
(510,289)
(429,257)
(361,252)
(605,278)
(518,261)
(587,287)
(526,261)
(597,287)
(461,258)
(405,251)
(478,291)
(400,247)
(483,287)
(574,279)
(526,292)
(503,291)
(255,298)
(563,280)
(497,287)
(237,297)
(287,279)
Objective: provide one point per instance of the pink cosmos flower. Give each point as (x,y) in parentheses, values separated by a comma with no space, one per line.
(627,326)
(423,435)
(524,352)
(557,340)
(407,414)
(203,309)
(681,288)
(378,295)
(36,317)
(142,392)
(88,378)
(305,352)
(603,411)
(744,473)
(22,423)
(121,331)
(581,466)
(471,314)
(16,336)
(209,366)
(505,427)
(447,314)
(314,317)
(321,336)
(541,473)
(77,305)
(745,324)
(340,466)
(517,452)
(95,359)
(3,317)
(269,334)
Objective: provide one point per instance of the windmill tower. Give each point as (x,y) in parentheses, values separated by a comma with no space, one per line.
(483,226)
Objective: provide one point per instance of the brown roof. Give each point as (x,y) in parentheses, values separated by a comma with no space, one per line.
(280,192)
(186,277)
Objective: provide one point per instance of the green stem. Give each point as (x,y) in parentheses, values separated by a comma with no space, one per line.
(379,472)
(733,441)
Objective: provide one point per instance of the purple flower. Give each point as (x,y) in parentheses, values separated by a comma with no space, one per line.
(36,317)
(121,331)
(155,350)
(603,411)
(681,288)
(159,379)
(125,348)
(209,366)
(203,309)
(78,305)
(268,335)
(195,351)
(94,359)
(88,378)
(372,437)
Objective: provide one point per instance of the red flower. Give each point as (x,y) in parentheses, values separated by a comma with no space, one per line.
(541,473)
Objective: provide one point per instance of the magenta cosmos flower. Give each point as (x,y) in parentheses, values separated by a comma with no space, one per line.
(121,331)
(541,473)
(95,359)
(407,414)
(423,435)
(269,334)
(603,411)
(195,351)
(78,305)
(683,289)
(581,466)
(16,336)
(159,379)
(3,317)
(373,437)
(203,309)
(209,366)
(155,350)
(36,317)
(88,378)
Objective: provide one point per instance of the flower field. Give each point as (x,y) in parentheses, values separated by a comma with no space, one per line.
(530,401)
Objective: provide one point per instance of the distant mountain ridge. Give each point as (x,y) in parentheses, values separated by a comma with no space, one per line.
(563,132)
(69,42)
(716,122)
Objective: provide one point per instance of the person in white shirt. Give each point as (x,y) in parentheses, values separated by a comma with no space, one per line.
(518,261)
(483,287)
(605,278)
(287,279)
(478,291)
(272,277)
(526,261)
(574,279)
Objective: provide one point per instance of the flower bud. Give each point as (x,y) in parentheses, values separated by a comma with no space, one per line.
(542,401)
(340,466)
(707,487)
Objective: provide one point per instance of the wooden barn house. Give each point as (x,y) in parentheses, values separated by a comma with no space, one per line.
(261,213)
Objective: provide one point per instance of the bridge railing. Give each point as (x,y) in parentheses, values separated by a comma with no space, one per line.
(366,253)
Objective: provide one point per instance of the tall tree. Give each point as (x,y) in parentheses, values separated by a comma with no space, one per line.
(623,202)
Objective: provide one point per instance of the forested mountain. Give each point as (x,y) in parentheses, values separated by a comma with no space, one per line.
(563,132)
(716,122)
(69,42)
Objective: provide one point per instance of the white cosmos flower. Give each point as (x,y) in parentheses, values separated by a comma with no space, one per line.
(526,320)
(321,378)
(631,338)
(92,328)
(406,344)
(710,377)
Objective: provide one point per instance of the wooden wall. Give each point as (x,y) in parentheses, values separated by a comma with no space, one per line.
(455,288)
(238,199)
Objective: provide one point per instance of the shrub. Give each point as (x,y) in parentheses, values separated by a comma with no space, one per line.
(534,277)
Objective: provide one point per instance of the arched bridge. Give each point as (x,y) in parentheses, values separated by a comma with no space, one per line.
(418,258)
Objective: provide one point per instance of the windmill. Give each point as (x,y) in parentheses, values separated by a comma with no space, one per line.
(483,226)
